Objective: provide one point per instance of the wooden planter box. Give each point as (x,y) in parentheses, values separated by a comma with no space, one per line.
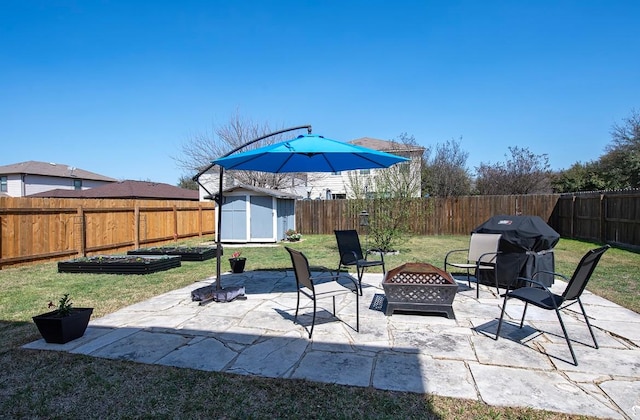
(120,264)
(187,253)
(60,330)
(419,287)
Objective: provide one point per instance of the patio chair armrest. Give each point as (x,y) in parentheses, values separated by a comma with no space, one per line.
(480,262)
(355,283)
(536,282)
(550,272)
(446,257)
(378,250)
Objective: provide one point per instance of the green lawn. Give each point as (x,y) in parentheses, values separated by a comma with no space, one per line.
(55,385)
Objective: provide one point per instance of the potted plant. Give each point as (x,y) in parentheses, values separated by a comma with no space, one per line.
(237,262)
(292,235)
(64,324)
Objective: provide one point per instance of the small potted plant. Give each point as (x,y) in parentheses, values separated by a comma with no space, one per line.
(292,235)
(237,262)
(64,324)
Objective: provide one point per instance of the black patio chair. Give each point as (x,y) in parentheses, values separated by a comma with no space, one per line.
(309,286)
(351,254)
(539,295)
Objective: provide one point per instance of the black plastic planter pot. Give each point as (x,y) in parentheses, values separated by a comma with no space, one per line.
(237,264)
(187,254)
(120,264)
(60,330)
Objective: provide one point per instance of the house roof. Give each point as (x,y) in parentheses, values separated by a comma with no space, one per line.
(384,145)
(126,189)
(266,191)
(60,170)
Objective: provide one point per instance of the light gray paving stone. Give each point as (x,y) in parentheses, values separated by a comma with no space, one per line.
(578,332)
(602,361)
(272,357)
(335,367)
(504,352)
(515,387)
(441,346)
(91,334)
(142,346)
(106,339)
(200,353)
(422,374)
(626,394)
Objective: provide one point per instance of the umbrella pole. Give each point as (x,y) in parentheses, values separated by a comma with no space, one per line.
(218,233)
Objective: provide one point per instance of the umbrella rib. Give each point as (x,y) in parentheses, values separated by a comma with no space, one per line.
(277,171)
(333,169)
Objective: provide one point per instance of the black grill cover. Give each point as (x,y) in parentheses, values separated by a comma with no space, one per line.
(526,246)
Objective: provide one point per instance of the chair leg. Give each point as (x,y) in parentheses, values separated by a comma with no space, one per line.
(313,321)
(504,306)
(357,313)
(566,337)
(588,324)
(334,305)
(360,274)
(295,318)
(524,312)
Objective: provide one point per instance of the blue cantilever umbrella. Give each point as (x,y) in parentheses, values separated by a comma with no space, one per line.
(309,153)
(305,153)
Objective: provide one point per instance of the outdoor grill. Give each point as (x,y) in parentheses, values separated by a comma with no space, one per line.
(526,246)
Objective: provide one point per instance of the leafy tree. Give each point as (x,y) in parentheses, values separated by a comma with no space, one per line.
(579,177)
(446,175)
(621,162)
(386,197)
(524,173)
(618,168)
(187,183)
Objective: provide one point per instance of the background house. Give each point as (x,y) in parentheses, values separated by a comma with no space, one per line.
(31,177)
(126,190)
(327,186)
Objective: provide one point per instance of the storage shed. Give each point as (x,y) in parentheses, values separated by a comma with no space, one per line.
(253,214)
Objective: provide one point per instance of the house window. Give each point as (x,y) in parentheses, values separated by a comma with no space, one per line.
(77,184)
(338,196)
(405,168)
(3,184)
(365,171)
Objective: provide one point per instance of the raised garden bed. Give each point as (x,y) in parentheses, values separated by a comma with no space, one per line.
(192,253)
(120,264)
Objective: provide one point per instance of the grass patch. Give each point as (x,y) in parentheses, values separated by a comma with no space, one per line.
(55,385)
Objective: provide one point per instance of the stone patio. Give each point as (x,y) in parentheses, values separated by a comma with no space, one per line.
(527,367)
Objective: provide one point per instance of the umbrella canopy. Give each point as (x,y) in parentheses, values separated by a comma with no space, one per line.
(309,153)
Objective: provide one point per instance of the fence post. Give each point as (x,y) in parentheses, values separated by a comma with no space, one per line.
(136,225)
(175,222)
(603,225)
(83,232)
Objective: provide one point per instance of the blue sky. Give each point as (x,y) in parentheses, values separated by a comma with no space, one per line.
(115,87)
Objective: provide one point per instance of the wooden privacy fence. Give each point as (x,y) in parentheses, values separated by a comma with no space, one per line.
(427,216)
(604,217)
(36,229)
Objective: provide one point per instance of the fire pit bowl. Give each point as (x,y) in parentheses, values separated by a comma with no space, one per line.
(419,287)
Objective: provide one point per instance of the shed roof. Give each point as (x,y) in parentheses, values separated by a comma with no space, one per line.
(265,191)
(60,170)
